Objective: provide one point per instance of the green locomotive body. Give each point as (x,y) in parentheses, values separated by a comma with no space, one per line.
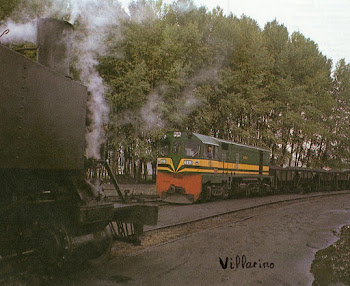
(196,167)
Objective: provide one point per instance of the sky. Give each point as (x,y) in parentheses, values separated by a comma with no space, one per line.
(326,22)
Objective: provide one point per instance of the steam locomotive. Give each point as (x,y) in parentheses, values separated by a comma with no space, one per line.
(48,210)
(194,167)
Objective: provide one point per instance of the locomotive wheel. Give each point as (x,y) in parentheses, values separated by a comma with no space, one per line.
(56,249)
(267,189)
(102,250)
(52,246)
(236,190)
(205,194)
(225,193)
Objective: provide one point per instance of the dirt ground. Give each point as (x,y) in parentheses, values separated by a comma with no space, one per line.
(187,212)
(147,189)
(271,247)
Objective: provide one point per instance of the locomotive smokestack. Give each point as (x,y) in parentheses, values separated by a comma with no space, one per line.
(54,42)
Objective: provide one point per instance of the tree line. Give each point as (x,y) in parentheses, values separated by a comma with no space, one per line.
(182,67)
(196,70)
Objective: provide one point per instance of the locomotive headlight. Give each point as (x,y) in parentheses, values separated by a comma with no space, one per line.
(188,162)
(162,161)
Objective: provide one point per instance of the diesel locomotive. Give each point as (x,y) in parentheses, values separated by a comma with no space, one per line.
(194,167)
(198,167)
(49,212)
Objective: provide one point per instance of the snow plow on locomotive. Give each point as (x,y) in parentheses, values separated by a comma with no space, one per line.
(194,168)
(48,210)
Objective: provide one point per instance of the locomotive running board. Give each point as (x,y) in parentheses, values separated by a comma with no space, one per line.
(137,214)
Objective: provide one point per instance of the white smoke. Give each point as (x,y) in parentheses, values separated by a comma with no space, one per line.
(201,77)
(94,22)
(18,32)
(141,13)
(151,112)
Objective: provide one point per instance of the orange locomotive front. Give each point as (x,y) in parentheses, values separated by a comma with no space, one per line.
(179,188)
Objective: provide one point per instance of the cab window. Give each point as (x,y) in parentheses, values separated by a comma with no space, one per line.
(192,149)
(176,147)
(211,151)
(164,147)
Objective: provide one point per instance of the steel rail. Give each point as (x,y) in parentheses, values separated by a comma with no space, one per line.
(300,199)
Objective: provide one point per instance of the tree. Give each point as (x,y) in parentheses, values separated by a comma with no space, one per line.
(340,151)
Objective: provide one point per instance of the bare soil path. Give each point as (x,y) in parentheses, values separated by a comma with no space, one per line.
(269,246)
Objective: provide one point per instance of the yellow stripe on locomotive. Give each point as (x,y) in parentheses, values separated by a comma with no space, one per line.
(194,162)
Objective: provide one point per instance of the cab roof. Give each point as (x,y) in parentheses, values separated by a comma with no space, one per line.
(207,139)
(215,141)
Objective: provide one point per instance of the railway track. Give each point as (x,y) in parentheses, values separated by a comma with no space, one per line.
(170,233)
(244,209)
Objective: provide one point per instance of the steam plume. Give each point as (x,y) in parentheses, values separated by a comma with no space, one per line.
(94,21)
(18,32)
(151,112)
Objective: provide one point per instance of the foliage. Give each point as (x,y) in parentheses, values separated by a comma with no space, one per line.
(224,76)
(6,7)
(332,264)
(182,67)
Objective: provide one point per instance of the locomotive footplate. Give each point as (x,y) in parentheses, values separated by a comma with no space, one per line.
(128,221)
(125,221)
(139,214)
